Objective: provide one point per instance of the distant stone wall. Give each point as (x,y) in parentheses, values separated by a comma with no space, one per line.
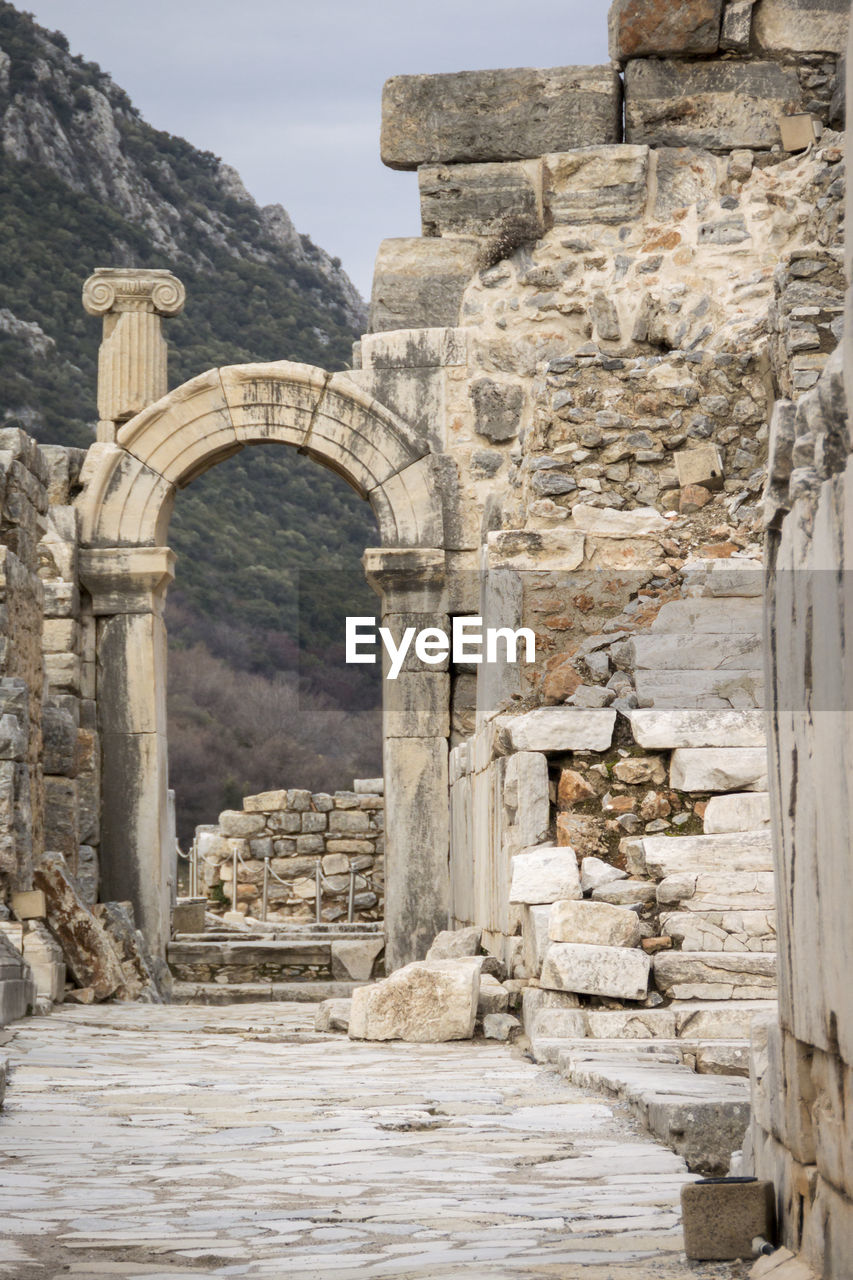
(298,832)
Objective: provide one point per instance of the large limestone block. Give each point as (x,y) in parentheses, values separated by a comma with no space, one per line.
(559,729)
(424,1002)
(552,1013)
(493,997)
(733,852)
(801,26)
(597,924)
(86,947)
(606,522)
(718,891)
(738,812)
(715,975)
(658,651)
(515,114)
(418,284)
(140,978)
(545,874)
(597,971)
(597,184)
(720,105)
(719,769)
(661,728)
(701,614)
(654,28)
(701,689)
(503,200)
(452,944)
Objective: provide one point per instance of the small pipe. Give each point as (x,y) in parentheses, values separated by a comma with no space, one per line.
(762,1248)
(351,903)
(266,889)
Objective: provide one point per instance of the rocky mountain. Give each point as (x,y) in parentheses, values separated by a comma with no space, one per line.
(268,543)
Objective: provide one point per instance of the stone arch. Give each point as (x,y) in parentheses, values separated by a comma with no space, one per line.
(129,487)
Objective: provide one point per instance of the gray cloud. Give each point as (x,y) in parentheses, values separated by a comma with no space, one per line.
(289,93)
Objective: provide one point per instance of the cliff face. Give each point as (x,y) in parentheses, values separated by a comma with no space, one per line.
(85,182)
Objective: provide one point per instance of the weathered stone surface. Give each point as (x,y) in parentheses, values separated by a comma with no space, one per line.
(356,958)
(87,874)
(418,283)
(552,1013)
(545,874)
(625,893)
(526,801)
(560,729)
(801,26)
(701,465)
(597,184)
(501,200)
(86,947)
(422,1002)
(715,975)
(534,934)
(44,956)
(497,409)
(501,1026)
(596,923)
(595,873)
(719,769)
(332,1015)
(656,28)
(658,651)
(493,997)
(730,853)
(59,735)
(450,944)
(662,728)
(475,116)
(572,788)
(745,812)
(721,1219)
(719,105)
(605,522)
(597,971)
(737,25)
(140,979)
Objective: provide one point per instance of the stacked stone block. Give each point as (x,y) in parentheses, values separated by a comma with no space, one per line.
(299,831)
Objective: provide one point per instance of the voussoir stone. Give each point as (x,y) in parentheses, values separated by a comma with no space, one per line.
(595,923)
(621,972)
(545,874)
(716,104)
(644,28)
(424,1002)
(512,114)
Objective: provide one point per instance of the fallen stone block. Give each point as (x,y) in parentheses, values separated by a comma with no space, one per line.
(721,1217)
(552,1013)
(595,873)
(88,953)
(544,874)
(596,971)
(656,28)
(702,465)
(44,956)
(717,105)
(746,811)
(470,117)
(450,944)
(426,1003)
(419,283)
(332,1015)
(715,975)
(597,184)
(497,200)
(188,915)
(595,923)
(719,769)
(140,979)
(29,904)
(501,1026)
(662,728)
(493,997)
(355,958)
(559,729)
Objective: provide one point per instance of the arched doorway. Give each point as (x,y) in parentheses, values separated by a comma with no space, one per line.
(126,567)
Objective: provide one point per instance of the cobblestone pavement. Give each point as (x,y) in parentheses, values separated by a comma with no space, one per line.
(139,1141)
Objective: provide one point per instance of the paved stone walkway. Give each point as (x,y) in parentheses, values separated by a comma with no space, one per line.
(169,1142)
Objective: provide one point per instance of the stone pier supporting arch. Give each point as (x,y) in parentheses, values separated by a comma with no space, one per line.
(129,487)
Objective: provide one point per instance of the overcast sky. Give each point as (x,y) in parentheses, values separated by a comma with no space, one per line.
(288,91)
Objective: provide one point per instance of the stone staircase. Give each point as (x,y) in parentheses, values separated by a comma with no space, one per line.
(309,962)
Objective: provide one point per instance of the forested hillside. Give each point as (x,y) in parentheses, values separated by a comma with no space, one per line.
(268,543)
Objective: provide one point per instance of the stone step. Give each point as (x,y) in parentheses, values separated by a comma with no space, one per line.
(710,892)
(706,1057)
(729,931)
(668,651)
(216,993)
(659,728)
(694,1020)
(737,811)
(250,952)
(701,1117)
(689,689)
(662,856)
(310,936)
(719,769)
(715,975)
(700,614)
